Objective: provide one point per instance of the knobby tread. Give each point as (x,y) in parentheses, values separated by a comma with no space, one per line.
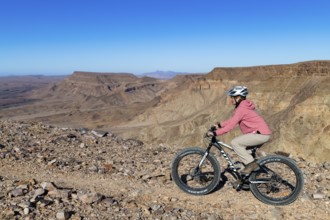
(195,191)
(275,201)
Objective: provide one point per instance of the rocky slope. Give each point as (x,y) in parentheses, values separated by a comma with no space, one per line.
(51,172)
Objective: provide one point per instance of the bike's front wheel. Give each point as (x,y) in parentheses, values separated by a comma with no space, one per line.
(279,181)
(195,172)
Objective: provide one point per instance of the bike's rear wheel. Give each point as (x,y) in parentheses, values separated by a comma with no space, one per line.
(279,181)
(191,178)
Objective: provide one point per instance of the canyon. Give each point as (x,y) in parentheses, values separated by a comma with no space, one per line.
(294,99)
(100,145)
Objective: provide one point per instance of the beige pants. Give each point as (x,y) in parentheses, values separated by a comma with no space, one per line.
(241,142)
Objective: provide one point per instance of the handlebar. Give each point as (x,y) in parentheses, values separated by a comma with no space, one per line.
(213,128)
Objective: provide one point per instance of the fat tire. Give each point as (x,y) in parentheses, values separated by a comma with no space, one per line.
(182,185)
(278,201)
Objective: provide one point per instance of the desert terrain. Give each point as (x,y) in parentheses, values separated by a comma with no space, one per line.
(50,172)
(99,145)
(14,90)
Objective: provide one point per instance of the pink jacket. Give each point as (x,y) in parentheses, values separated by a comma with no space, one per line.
(248,119)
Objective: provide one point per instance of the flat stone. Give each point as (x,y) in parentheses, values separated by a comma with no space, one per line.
(90,198)
(24,205)
(64,194)
(45,202)
(318,196)
(99,133)
(110,201)
(52,162)
(48,186)
(39,192)
(18,192)
(63,215)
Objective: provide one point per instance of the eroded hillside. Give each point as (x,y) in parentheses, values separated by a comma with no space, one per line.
(91,100)
(293,98)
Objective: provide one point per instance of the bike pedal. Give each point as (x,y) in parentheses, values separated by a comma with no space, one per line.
(238,165)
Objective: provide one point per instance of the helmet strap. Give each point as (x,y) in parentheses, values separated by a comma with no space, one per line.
(237,102)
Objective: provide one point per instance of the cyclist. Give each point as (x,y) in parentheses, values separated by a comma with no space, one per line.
(254,128)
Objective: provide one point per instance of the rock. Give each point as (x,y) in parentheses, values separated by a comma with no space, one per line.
(318,196)
(52,162)
(155,207)
(110,201)
(305,197)
(99,133)
(93,168)
(2,146)
(146,210)
(48,186)
(26,211)
(39,192)
(90,198)
(326,165)
(44,202)
(76,216)
(168,176)
(133,142)
(319,178)
(24,205)
(18,192)
(23,186)
(63,215)
(71,136)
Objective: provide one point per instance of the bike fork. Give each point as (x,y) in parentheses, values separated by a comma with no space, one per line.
(203,159)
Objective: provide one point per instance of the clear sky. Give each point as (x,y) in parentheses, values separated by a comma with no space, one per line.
(138,36)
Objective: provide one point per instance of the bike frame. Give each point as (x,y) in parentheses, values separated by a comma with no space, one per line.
(219,145)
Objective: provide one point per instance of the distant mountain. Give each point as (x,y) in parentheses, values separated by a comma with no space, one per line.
(162,74)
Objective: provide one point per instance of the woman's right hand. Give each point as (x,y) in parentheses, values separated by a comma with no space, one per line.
(217,125)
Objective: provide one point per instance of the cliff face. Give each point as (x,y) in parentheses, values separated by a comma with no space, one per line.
(294,99)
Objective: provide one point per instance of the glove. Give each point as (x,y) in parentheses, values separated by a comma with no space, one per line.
(217,125)
(211,133)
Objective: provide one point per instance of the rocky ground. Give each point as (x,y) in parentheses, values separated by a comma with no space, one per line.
(48,172)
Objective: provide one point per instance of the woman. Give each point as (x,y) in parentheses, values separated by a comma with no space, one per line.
(254,128)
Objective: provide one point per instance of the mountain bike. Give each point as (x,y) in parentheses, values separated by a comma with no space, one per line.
(277,181)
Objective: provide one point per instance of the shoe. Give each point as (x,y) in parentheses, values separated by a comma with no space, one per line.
(236,184)
(249,168)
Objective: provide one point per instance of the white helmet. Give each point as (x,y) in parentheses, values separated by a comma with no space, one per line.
(238,90)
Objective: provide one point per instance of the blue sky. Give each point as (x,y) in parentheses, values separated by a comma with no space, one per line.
(138,36)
